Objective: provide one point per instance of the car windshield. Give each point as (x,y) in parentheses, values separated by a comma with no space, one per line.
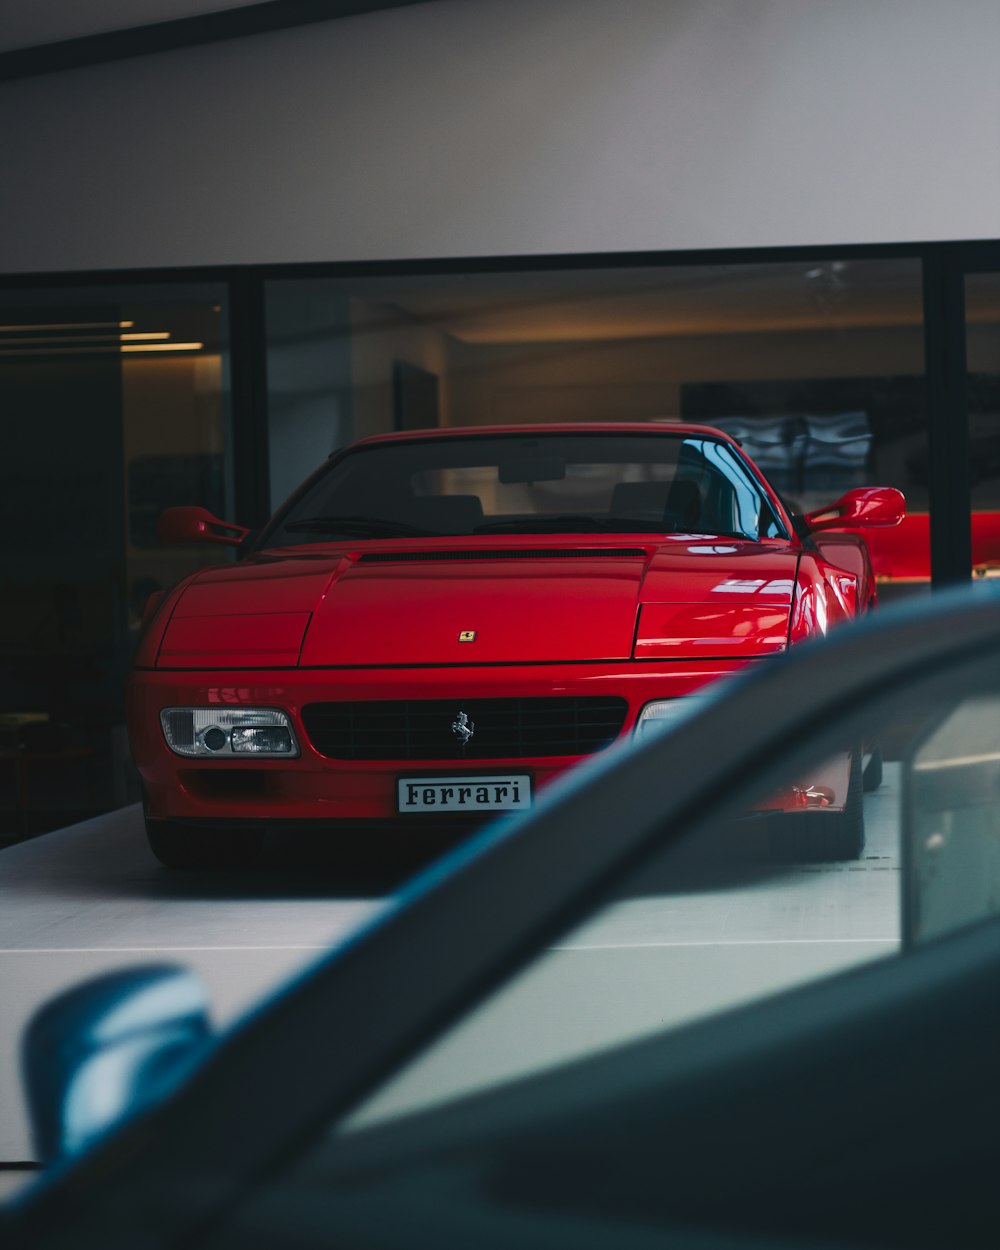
(520,483)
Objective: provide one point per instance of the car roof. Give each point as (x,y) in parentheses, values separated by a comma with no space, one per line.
(550,427)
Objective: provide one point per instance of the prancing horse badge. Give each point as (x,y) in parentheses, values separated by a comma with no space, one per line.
(467,635)
(463,728)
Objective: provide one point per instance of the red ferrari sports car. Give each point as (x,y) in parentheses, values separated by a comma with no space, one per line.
(437,623)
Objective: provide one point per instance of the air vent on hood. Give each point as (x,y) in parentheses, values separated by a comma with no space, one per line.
(518,553)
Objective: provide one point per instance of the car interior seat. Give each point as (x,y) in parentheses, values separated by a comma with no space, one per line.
(673,505)
(641,500)
(684,502)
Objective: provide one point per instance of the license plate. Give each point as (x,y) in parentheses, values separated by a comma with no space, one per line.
(509,792)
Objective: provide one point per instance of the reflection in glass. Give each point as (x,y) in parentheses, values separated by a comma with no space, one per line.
(952,795)
(115,408)
(816,365)
(757,901)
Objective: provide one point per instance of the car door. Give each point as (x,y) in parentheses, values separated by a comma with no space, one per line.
(506,1058)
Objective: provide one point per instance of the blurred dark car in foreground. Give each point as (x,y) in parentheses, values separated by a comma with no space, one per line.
(543,1045)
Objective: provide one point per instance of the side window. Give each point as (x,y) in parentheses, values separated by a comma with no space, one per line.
(801,882)
(951,804)
(768,524)
(848,845)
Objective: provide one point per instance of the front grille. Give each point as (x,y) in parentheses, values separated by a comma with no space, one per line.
(420,729)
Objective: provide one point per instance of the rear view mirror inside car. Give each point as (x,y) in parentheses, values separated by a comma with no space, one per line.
(532,469)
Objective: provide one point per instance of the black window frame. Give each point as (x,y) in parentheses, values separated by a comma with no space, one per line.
(944,266)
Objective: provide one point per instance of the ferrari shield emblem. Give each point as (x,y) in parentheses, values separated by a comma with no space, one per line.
(467,635)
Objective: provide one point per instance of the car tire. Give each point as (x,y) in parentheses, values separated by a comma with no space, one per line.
(812,836)
(872,777)
(181,847)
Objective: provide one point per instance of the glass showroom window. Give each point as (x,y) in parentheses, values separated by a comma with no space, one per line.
(982,313)
(116,401)
(816,365)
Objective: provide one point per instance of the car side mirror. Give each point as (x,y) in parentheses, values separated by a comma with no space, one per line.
(107,1048)
(198,525)
(875,507)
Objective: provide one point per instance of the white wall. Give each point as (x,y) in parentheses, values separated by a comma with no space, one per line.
(475,127)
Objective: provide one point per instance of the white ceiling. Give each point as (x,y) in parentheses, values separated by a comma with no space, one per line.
(24,25)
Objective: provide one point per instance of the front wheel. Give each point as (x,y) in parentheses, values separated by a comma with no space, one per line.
(812,836)
(181,846)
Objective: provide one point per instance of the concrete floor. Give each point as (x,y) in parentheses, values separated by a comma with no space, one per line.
(91,898)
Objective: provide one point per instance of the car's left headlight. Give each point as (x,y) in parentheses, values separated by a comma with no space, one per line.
(662,713)
(214,732)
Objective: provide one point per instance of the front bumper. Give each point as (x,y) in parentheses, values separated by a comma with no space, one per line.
(313,787)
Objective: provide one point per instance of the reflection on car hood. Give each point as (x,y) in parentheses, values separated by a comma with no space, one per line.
(458,602)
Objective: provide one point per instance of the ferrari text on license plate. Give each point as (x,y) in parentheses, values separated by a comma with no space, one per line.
(509,792)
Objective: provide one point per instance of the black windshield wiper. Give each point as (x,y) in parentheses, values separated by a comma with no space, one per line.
(569,523)
(356,527)
(572,523)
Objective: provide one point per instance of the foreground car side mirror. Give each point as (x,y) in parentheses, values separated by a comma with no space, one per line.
(198,525)
(108,1048)
(877,507)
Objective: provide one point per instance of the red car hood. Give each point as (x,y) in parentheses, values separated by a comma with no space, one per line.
(414,605)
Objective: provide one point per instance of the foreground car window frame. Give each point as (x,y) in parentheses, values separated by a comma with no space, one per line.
(320,1046)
